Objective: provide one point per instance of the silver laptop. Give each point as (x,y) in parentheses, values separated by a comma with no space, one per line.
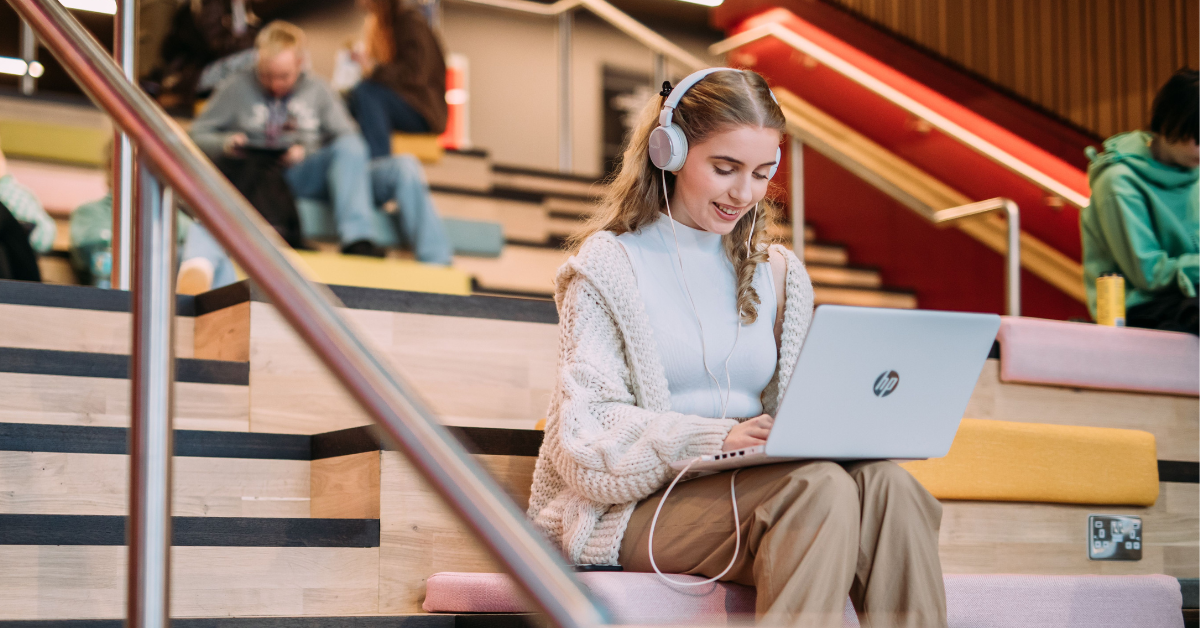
(873,383)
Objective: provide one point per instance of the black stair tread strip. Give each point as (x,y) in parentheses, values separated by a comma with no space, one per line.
(474,306)
(78,297)
(549,174)
(884,290)
(502,193)
(87,439)
(1190,587)
(1179,471)
(469,152)
(223,297)
(492,441)
(116,366)
(192,531)
(422,620)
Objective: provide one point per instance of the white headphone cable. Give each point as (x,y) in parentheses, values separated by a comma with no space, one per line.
(737,533)
(737,543)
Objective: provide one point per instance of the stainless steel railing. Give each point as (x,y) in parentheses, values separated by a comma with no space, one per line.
(169,156)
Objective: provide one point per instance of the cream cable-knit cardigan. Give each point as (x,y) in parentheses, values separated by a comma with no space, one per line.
(610,432)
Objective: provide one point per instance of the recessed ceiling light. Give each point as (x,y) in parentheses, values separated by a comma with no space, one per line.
(95,6)
(9,65)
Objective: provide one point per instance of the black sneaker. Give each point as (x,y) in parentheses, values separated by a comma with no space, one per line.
(365,248)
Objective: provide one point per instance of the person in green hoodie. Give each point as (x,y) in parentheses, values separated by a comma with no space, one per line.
(1142,222)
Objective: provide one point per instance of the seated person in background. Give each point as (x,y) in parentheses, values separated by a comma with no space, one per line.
(91,234)
(278,104)
(404,88)
(397,179)
(207,41)
(401,179)
(27,209)
(1142,222)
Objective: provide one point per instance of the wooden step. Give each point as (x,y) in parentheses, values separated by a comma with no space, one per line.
(544,182)
(466,170)
(75,388)
(475,360)
(77,470)
(844,276)
(863,297)
(65,318)
(88,582)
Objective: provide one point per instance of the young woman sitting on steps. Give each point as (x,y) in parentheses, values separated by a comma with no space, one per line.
(675,314)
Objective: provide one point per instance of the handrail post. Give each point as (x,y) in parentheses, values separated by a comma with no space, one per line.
(152,377)
(125,52)
(564,91)
(660,71)
(1012,260)
(28,55)
(796,193)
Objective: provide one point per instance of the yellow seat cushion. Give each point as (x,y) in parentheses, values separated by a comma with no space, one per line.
(424,146)
(1035,462)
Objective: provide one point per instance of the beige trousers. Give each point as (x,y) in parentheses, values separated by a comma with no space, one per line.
(811,532)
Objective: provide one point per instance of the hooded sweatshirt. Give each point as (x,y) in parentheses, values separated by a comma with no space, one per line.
(311,115)
(1142,222)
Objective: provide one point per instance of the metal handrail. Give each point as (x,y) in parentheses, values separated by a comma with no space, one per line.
(1012,254)
(662,47)
(309,309)
(891,94)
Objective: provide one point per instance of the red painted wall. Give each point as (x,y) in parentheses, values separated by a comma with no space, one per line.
(1028,121)
(948,269)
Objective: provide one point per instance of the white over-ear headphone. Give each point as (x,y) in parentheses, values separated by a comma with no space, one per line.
(668,144)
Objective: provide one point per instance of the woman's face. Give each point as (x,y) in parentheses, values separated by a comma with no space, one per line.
(724,177)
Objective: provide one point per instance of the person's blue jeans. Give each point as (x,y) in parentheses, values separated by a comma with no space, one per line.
(379,111)
(200,243)
(338,175)
(401,178)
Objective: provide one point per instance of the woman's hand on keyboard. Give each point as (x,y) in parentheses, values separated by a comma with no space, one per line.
(749,433)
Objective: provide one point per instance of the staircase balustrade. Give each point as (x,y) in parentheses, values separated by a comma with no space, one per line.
(170,157)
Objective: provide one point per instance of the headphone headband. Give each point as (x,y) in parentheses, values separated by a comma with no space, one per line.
(677,92)
(668,145)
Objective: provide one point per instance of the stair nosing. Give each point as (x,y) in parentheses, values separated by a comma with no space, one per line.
(79,297)
(108,530)
(116,366)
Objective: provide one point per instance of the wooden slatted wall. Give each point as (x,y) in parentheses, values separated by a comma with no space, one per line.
(1096,63)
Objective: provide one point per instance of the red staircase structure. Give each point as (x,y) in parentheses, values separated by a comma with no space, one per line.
(948,269)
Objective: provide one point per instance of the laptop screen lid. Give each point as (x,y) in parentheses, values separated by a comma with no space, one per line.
(874,383)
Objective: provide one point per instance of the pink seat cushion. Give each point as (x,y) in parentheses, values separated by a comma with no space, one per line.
(1080,355)
(973,601)
(1004,601)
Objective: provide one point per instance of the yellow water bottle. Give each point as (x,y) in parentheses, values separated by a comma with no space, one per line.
(1110,300)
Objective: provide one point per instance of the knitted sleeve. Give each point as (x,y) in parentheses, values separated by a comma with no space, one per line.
(610,450)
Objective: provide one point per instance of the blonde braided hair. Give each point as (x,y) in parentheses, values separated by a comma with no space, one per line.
(634,196)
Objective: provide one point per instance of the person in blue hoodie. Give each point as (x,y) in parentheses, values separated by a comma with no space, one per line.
(1142,222)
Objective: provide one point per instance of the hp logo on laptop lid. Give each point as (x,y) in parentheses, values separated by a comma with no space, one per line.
(886,383)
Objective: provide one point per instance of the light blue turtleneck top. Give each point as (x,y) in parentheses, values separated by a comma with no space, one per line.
(710,275)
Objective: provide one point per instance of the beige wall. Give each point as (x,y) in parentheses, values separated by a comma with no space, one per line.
(513,76)
(1097,63)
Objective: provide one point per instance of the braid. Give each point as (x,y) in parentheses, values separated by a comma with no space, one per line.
(744,265)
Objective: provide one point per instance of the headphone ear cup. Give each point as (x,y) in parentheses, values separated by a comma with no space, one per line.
(778,156)
(668,148)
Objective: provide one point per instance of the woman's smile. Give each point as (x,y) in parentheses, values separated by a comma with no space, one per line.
(729,212)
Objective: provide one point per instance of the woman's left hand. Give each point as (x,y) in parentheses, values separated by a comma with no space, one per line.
(749,433)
